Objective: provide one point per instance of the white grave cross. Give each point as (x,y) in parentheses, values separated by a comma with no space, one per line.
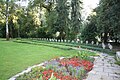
(103,46)
(110,46)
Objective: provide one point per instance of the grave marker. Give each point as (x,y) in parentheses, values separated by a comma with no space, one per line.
(81,42)
(86,42)
(97,43)
(72,41)
(103,46)
(65,40)
(110,46)
(92,42)
(61,40)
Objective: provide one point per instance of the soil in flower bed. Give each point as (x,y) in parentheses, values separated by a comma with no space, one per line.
(60,69)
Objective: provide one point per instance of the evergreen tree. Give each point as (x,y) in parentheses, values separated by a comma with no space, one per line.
(89,32)
(62,20)
(108,21)
(76,6)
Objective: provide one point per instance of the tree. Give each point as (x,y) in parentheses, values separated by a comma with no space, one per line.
(11,30)
(39,5)
(89,32)
(2,18)
(42,16)
(76,6)
(51,19)
(7,31)
(108,20)
(62,21)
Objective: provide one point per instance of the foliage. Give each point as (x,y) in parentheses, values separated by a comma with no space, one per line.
(108,51)
(104,24)
(34,73)
(75,24)
(66,46)
(89,31)
(51,19)
(63,69)
(117,62)
(49,15)
(62,21)
(85,56)
(108,21)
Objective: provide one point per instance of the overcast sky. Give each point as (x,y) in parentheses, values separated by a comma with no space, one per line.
(88,6)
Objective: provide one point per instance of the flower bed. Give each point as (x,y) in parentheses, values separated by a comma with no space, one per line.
(73,68)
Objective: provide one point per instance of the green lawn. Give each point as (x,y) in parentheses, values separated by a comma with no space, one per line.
(15,57)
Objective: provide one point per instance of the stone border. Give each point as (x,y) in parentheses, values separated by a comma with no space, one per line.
(118,55)
(26,71)
(29,69)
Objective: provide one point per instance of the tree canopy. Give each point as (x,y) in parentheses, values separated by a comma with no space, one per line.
(106,22)
(46,18)
(42,17)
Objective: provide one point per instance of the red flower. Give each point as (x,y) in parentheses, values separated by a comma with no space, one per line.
(76,62)
(65,62)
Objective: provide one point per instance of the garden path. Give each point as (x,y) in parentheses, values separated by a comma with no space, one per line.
(104,68)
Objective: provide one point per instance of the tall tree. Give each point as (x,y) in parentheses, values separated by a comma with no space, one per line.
(2,18)
(62,20)
(89,31)
(108,20)
(76,6)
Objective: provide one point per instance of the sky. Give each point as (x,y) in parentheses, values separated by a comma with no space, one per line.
(22,3)
(88,6)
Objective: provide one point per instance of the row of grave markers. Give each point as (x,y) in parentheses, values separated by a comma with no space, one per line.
(74,41)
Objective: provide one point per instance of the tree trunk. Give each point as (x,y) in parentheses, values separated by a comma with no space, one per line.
(105,38)
(7,31)
(18,32)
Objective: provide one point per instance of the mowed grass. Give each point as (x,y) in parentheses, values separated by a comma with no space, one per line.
(15,57)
